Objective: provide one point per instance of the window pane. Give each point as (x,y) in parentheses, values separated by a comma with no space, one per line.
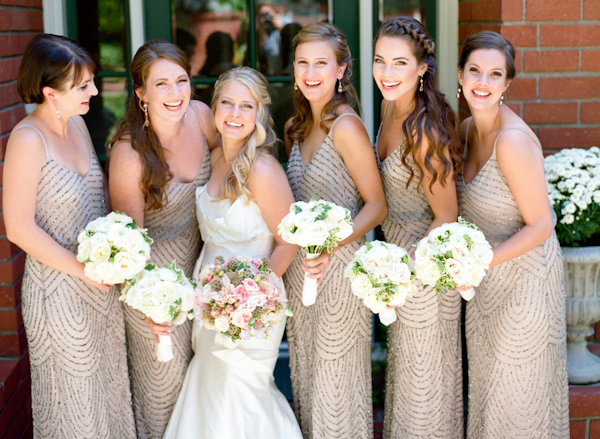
(406,8)
(210,33)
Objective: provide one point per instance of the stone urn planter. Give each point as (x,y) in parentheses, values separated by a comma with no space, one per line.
(582,269)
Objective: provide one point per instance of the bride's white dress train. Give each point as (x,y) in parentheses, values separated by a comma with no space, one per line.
(229,391)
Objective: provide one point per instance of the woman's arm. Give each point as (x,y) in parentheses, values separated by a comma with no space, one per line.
(520,160)
(271,191)
(23,161)
(125,181)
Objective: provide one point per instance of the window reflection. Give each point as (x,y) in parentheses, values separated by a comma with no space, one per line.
(406,8)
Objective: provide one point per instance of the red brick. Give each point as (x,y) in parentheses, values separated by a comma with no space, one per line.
(14,44)
(595,429)
(9,414)
(552,10)
(520,35)
(591,10)
(512,10)
(576,137)
(569,35)
(464,11)
(30,3)
(21,20)
(2,227)
(19,423)
(565,87)
(519,61)
(550,112)
(7,248)
(9,94)
(464,30)
(552,61)
(590,113)
(578,429)
(11,320)
(13,345)
(12,269)
(10,296)
(522,88)
(590,60)
(514,106)
(486,10)
(9,117)
(9,68)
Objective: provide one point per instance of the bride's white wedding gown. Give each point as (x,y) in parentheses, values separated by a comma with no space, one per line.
(229,392)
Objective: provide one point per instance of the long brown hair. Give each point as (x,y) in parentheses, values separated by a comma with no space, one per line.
(432,116)
(262,139)
(156,173)
(302,120)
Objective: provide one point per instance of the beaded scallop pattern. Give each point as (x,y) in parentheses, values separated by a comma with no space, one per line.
(156,385)
(75,332)
(424,366)
(330,341)
(515,325)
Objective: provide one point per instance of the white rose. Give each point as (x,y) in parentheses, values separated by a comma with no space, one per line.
(399,298)
(482,254)
(100,252)
(222,324)
(128,265)
(99,225)
(428,272)
(346,230)
(373,304)
(186,293)
(318,233)
(336,214)
(131,241)
(457,271)
(167,275)
(84,250)
(146,283)
(119,218)
(105,272)
(399,274)
(361,286)
(116,232)
(303,220)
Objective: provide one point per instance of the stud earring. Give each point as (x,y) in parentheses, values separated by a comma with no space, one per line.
(57,115)
(458,92)
(340,88)
(295,86)
(501,99)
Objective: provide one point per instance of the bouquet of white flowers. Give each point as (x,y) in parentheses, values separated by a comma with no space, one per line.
(573,177)
(165,295)
(113,248)
(453,254)
(381,276)
(240,297)
(315,226)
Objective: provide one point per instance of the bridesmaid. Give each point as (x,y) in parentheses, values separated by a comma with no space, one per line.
(158,157)
(515,324)
(53,187)
(419,154)
(330,156)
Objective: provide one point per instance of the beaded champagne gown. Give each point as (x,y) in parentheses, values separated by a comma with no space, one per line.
(75,332)
(155,385)
(423,390)
(515,324)
(330,341)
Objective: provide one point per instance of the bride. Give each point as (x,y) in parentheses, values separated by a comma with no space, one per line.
(229,392)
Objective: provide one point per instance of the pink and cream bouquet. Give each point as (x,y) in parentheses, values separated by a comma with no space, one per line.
(315,226)
(240,298)
(453,254)
(381,275)
(113,248)
(165,295)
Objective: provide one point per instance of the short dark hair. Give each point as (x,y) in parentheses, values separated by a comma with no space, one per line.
(51,61)
(488,39)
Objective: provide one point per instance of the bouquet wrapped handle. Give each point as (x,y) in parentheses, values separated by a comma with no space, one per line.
(467,294)
(309,289)
(387,316)
(164,349)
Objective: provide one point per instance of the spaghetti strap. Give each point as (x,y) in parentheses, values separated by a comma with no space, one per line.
(201,124)
(384,110)
(342,115)
(537,142)
(466,137)
(85,137)
(41,135)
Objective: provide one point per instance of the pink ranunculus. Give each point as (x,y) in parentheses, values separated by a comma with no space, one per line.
(209,277)
(251,286)
(270,305)
(241,317)
(256,300)
(229,309)
(215,313)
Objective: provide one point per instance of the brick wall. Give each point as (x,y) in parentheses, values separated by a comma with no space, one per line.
(557,89)
(20,20)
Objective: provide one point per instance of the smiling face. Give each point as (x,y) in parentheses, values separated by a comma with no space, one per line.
(395,68)
(235,112)
(76,99)
(483,79)
(167,91)
(316,71)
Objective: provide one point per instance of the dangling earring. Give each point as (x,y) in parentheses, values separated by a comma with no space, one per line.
(57,115)
(144,107)
(458,92)
(295,86)
(501,99)
(421,86)
(340,88)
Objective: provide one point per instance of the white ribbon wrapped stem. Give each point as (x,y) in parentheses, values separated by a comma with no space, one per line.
(309,290)
(164,349)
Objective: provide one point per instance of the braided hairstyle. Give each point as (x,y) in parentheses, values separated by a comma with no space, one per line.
(302,119)
(432,116)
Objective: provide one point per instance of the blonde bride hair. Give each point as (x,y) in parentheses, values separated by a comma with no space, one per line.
(262,139)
